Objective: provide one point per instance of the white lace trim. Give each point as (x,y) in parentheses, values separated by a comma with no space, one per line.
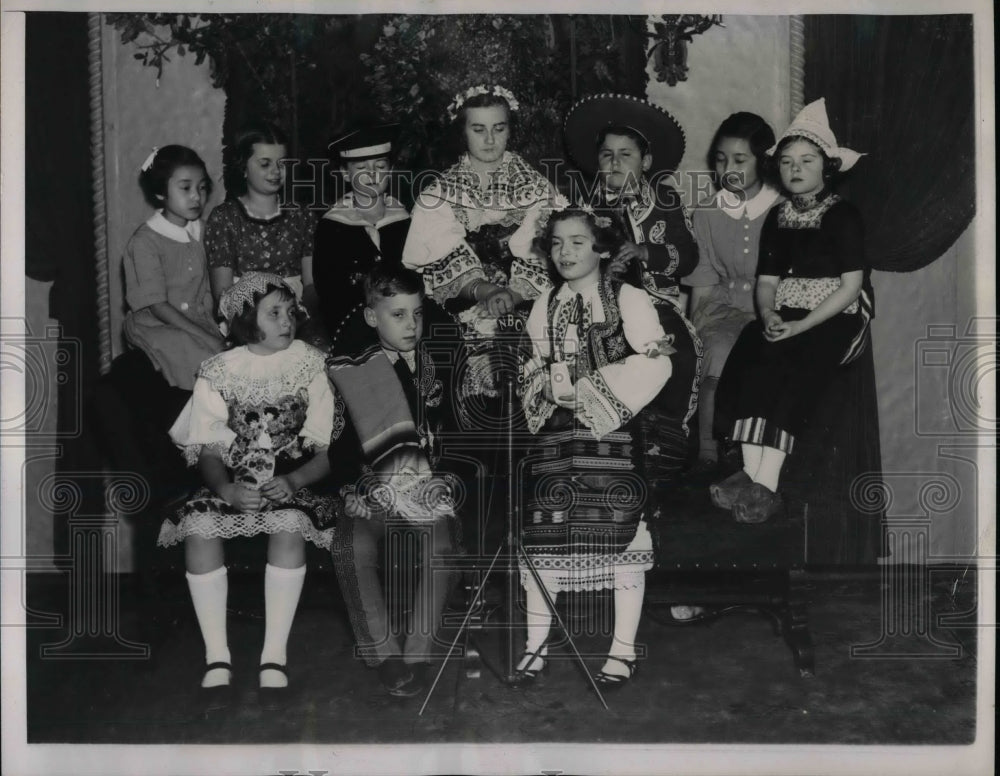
(623,571)
(247,378)
(214,526)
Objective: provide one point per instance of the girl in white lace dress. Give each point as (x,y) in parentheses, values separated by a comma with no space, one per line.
(257,426)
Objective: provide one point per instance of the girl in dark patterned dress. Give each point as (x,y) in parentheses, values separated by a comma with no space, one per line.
(599,357)
(815,303)
(253,230)
(257,427)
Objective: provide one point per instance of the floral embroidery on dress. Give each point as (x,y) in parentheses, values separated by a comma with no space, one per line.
(805,212)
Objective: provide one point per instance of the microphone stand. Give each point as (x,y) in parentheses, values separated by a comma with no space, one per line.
(512,626)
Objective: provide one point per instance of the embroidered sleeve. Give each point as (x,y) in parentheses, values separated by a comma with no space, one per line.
(220,238)
(445,278)
(318,428)
(145,283)
(529,277)
(672,249)
(204,422)
(705,274)
(612,395)
(535,370)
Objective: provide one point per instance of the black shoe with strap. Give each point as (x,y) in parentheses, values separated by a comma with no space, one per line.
(607,681)
(272,697)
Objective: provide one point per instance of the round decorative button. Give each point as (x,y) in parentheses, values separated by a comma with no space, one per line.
(746,238)
(732,284)
(746,286)
(184,305)
(746,250)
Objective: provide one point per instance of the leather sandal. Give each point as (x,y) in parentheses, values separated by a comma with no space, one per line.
(272,697)
(608,681)
(724,494)
(757,504)
(219,696)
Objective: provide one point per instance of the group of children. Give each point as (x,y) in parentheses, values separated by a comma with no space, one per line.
(340,448)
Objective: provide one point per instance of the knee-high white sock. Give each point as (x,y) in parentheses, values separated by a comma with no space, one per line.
(208,594)
(769,471)
(282,589)
(751,459)
(628,611)
(538,617)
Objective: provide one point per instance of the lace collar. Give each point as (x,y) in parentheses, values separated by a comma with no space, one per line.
(345,212)
(804,202)
(248,378)
(182,234)
(753,208)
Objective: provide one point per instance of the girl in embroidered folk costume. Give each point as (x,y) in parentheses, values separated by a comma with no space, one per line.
(471,237)
(632,146)
(257,426)
(599,356)
(727,230)
(166,279)
(253,230)
(815,304)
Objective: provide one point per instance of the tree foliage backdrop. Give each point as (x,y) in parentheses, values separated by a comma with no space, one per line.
(317,76)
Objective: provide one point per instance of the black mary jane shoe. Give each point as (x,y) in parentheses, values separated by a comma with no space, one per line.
(527,676)
(221,695)
(272,697)
(609,682)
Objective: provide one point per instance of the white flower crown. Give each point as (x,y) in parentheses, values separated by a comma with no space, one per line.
(603,222)
(474,91)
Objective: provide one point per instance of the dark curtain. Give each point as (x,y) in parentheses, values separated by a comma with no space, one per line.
(901,89)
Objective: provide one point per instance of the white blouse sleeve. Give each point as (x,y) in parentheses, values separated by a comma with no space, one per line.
(204,421)
(434,230)
(614,394)
(436,247)
(318,428)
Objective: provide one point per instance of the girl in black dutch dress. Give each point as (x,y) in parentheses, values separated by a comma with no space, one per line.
(815,303)
(631,146)
(599,356)
(257,427)
(365,227)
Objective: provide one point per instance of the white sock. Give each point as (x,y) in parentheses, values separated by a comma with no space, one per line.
(539,619)
(282,589)
(769,471)
(208,594)
(751,459)
(628,611)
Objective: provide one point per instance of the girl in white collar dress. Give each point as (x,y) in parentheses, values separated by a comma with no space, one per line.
(166,275)
(727,230)
(599,357)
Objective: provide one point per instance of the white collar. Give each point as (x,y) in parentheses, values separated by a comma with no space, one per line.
(588,293)
(410,357)
(159,224)
(345,212)
(761,202)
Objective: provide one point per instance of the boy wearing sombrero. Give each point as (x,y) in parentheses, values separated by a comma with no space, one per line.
(631,146)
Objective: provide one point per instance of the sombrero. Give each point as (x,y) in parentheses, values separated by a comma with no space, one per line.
(590,115)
